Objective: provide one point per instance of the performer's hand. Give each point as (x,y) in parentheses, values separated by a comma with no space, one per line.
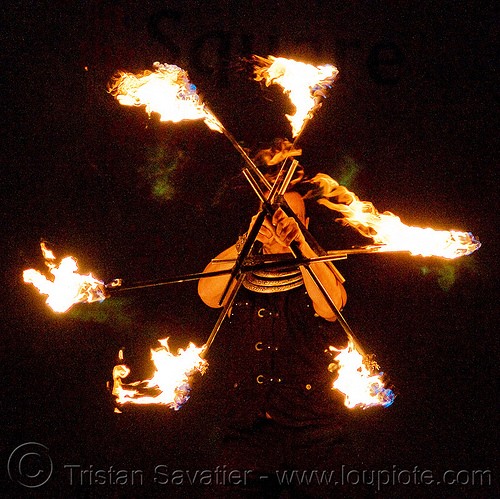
(266,233)
(286,229)
(279,232)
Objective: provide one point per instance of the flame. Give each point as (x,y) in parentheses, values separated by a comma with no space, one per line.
(358,383)
(278,152)
(303,83)
(387,229)
(66,287)
(170,380)
(166,91)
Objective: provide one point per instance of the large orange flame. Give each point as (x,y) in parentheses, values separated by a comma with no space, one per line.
(387,229)
(361,387)
(303,83)
(166,91)
(66,286)
(170,382)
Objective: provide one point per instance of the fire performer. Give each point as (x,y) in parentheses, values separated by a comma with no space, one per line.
(273,362)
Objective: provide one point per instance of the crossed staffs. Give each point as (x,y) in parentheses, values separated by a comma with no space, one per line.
(270,204)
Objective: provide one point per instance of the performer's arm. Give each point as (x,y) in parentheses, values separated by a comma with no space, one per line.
(211,289)
(286,230)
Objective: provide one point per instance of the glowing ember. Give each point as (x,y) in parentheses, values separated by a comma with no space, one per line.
(170,382)
(166,91)
(387,229)
(360,387)
(303,83)
(66,287)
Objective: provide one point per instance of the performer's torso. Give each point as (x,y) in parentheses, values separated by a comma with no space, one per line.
(276,357)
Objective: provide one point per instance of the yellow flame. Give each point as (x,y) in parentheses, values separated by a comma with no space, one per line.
(66,287)
(303,83)
(170,381)
(360,386)
(387,229)
(166,91)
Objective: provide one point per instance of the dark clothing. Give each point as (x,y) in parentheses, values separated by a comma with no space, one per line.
(278,410)
(273,458)
(276,360)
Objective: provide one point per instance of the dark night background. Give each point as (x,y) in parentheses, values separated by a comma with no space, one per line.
(410,125)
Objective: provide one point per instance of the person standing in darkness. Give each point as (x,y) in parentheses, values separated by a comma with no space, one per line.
(278,410)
